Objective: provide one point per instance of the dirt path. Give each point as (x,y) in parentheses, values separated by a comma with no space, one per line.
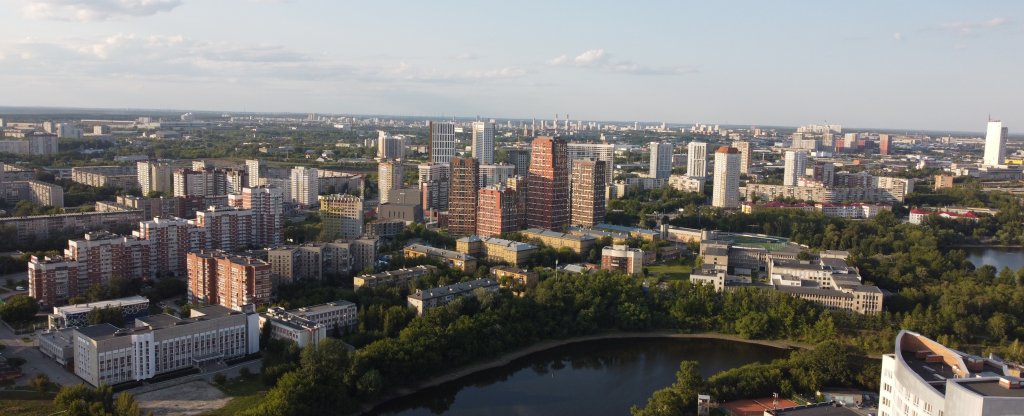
(192,398)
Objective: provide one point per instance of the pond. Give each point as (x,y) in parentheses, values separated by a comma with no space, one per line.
(998,257)
(602,377)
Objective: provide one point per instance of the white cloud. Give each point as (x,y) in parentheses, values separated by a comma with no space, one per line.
(897,36)
(590,57)
(972,28)
(599,59)
(94,10)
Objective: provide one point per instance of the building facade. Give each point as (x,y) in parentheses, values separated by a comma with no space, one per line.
(661,160)
(483,142)
(497,211)
(548,195)
(219,278)
(588,192)
(341,216)
(462,198)
(725,193)
(697,159)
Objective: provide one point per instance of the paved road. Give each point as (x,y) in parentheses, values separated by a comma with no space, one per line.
(35,361)
(16,277)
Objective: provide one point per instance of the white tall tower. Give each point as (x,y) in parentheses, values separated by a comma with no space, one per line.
(483,142)
(661,160)
(995,144)
(390,174)
(697,160)
(305,185)
(726,191)
(442,142)
(390,147)
(796,162)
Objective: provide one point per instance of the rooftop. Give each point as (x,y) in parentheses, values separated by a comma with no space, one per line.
(86,307)
(991,387)
(817,409)
(556,234)
(455,289)
(438,252)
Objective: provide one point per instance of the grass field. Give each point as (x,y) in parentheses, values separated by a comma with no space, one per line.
(244,395)
(671,271)
(26,403)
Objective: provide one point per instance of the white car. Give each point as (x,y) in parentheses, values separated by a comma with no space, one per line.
(20,288)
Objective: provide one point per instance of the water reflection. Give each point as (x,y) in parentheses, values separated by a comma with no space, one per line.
(594,378)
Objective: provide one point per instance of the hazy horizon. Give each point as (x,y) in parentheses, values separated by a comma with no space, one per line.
(916,66)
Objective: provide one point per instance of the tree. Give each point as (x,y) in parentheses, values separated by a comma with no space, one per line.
(220,379)
(40,383)
(20,309)
(107,315)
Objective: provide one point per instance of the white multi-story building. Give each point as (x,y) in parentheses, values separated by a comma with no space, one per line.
(483,142)
(491,175)
(697,160)
(390,174)
(155,176)
(305,186)
(106,354)
(390,147)
(796,162)
(995,144)
(661,160)
(252,171)
(592,151)
(744,148)
(922,377)
(342,216)
(726,191)
(310,325)
(686,183)
(442,141)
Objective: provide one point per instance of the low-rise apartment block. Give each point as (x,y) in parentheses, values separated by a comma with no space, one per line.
(622,258)
(309,261)
(393,277)
(106,354)
(496,249)
(27,229)
(119,177)
(454,259)
(579,244)
(424,300)
(514,277)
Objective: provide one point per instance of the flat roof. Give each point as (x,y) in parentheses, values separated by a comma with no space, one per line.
(86,307)
(457,288)
(818,409)
(799,290)
(434,251)
(98,332)
(323,307)
(990,387)
(556,234)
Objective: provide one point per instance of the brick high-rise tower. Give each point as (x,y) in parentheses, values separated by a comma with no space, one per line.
(588,202)
(462,196)
(548,194)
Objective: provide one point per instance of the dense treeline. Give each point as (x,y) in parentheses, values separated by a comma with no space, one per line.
(489,324)
(829,364)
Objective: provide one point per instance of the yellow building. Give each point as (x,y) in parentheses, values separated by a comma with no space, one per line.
(456,260)
(579,244)
(496,249)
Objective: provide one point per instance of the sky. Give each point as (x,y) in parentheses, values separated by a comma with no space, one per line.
(915,65)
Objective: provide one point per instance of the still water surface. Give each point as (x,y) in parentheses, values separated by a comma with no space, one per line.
(997,257)
(603,377)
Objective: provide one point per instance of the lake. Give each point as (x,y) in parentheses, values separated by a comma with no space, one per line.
(997,256)
(603,377)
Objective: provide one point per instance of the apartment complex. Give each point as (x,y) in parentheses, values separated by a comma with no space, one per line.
(268,205)
(623,258)
(548,195)
(588,192)
(498,211)
(923,377)
(661,160)
(34,144)
(462,196)
(390,174)
(697,160)
(579,244)
(229,229)
(496,250)
(154,176)
(120,177)
(309,261)
(454,259)
(305,186)
(442,141)
(725,193)
(219,278)
(39,193)
(483,142)
(341,216)
(393,277)
(106,354)
(424,300)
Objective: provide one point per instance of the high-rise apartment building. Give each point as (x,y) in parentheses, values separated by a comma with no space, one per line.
(520,158)
(726,191)
(497,211)
(884,141)
(519,184)
(548,195)
(341,216)
(216,277)
(588,194)
(462,196)
(483,142)
(390,175)
(697,160)
(155,177)
(744,148)
(253,172)
(661,160)
(305,186)
(268,205)
(230,229)
(594,151)
(995,144)
(390,147)
(172,239)
(492,175)
(442,141)
(796,164)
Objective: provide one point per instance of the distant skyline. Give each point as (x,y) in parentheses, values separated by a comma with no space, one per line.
(916,65)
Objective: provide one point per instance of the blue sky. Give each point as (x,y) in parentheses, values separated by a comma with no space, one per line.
(921,65)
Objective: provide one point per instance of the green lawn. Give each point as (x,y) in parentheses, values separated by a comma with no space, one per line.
(25,403)
(671,271)
(245,394)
